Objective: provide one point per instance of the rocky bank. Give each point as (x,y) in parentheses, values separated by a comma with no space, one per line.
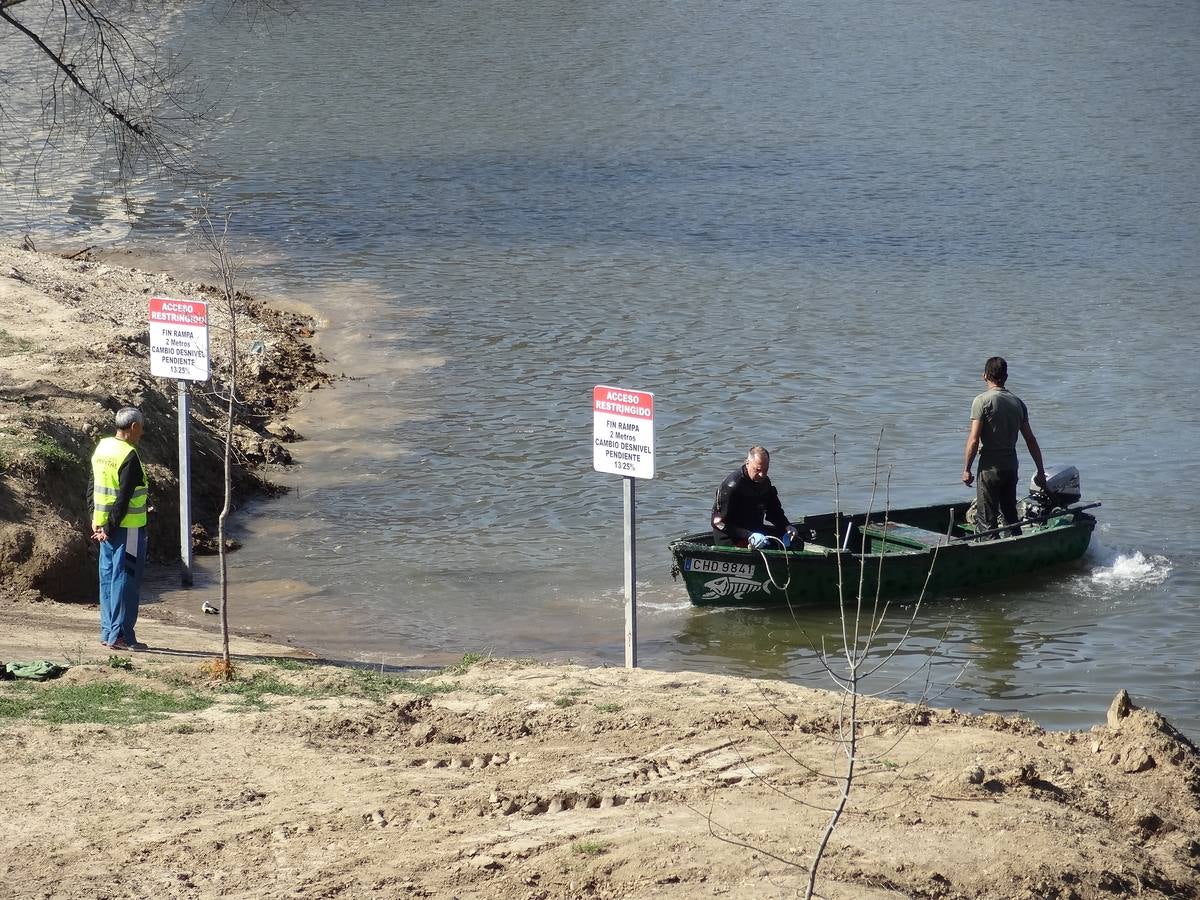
(74,348)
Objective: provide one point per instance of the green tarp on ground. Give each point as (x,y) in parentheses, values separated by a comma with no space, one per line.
(38,670)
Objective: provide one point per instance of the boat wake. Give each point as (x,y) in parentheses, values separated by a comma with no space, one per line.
(1125,570)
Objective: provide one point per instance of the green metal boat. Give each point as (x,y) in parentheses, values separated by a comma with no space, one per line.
(896,552)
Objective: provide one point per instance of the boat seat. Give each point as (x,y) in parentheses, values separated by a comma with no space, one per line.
(901,535)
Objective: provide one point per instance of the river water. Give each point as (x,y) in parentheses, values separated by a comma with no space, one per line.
(791,222)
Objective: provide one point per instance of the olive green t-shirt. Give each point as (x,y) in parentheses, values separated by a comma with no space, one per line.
(1002,414)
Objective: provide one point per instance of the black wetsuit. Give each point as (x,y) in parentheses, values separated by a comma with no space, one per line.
(743,506)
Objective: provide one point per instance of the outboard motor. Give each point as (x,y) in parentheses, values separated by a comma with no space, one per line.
(1062,489)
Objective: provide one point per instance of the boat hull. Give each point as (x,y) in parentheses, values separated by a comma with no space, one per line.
(919,549)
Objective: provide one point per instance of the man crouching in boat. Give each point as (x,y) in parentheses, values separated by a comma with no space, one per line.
(747,511)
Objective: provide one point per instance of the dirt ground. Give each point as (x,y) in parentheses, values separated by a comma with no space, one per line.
(513,779)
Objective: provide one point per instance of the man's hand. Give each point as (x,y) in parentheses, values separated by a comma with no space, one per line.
(98,534)
(967,478)
(1040,480)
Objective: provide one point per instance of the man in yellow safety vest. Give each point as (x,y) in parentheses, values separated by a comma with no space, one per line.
(119,494)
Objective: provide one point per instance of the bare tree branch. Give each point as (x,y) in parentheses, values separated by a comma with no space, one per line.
(96,74)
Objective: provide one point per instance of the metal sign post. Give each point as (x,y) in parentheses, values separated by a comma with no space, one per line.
(630,578)
(623,444)
(179,350)
(185,487)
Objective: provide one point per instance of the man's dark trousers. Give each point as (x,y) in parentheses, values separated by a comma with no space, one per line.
(996,493)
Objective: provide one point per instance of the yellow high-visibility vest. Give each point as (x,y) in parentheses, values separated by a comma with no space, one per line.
(106,468)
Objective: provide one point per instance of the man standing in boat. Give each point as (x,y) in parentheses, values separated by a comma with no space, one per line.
(747,511)
(997,417)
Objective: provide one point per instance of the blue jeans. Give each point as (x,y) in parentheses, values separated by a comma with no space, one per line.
(122,563)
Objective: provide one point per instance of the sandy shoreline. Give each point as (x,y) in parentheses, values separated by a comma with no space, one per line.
(65,632)
(516,779)
(496,779)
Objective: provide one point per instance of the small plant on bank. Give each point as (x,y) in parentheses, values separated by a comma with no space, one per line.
(590,848)
(570,697)
(53,456)
(220,669)
(74,655)
(468,660)
(120,662)
(608,707)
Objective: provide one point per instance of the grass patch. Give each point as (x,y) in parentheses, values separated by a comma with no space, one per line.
(53,456)
(10,446)
(252,690)
(99,703)
(10,343)
(287,663)
(590,848)
(377,685)
(164,693)
(468,660)
(171,679)
(608,707)
(569,697)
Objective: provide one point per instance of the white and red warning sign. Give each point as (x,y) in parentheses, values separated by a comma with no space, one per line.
(179,339)
(623,432)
